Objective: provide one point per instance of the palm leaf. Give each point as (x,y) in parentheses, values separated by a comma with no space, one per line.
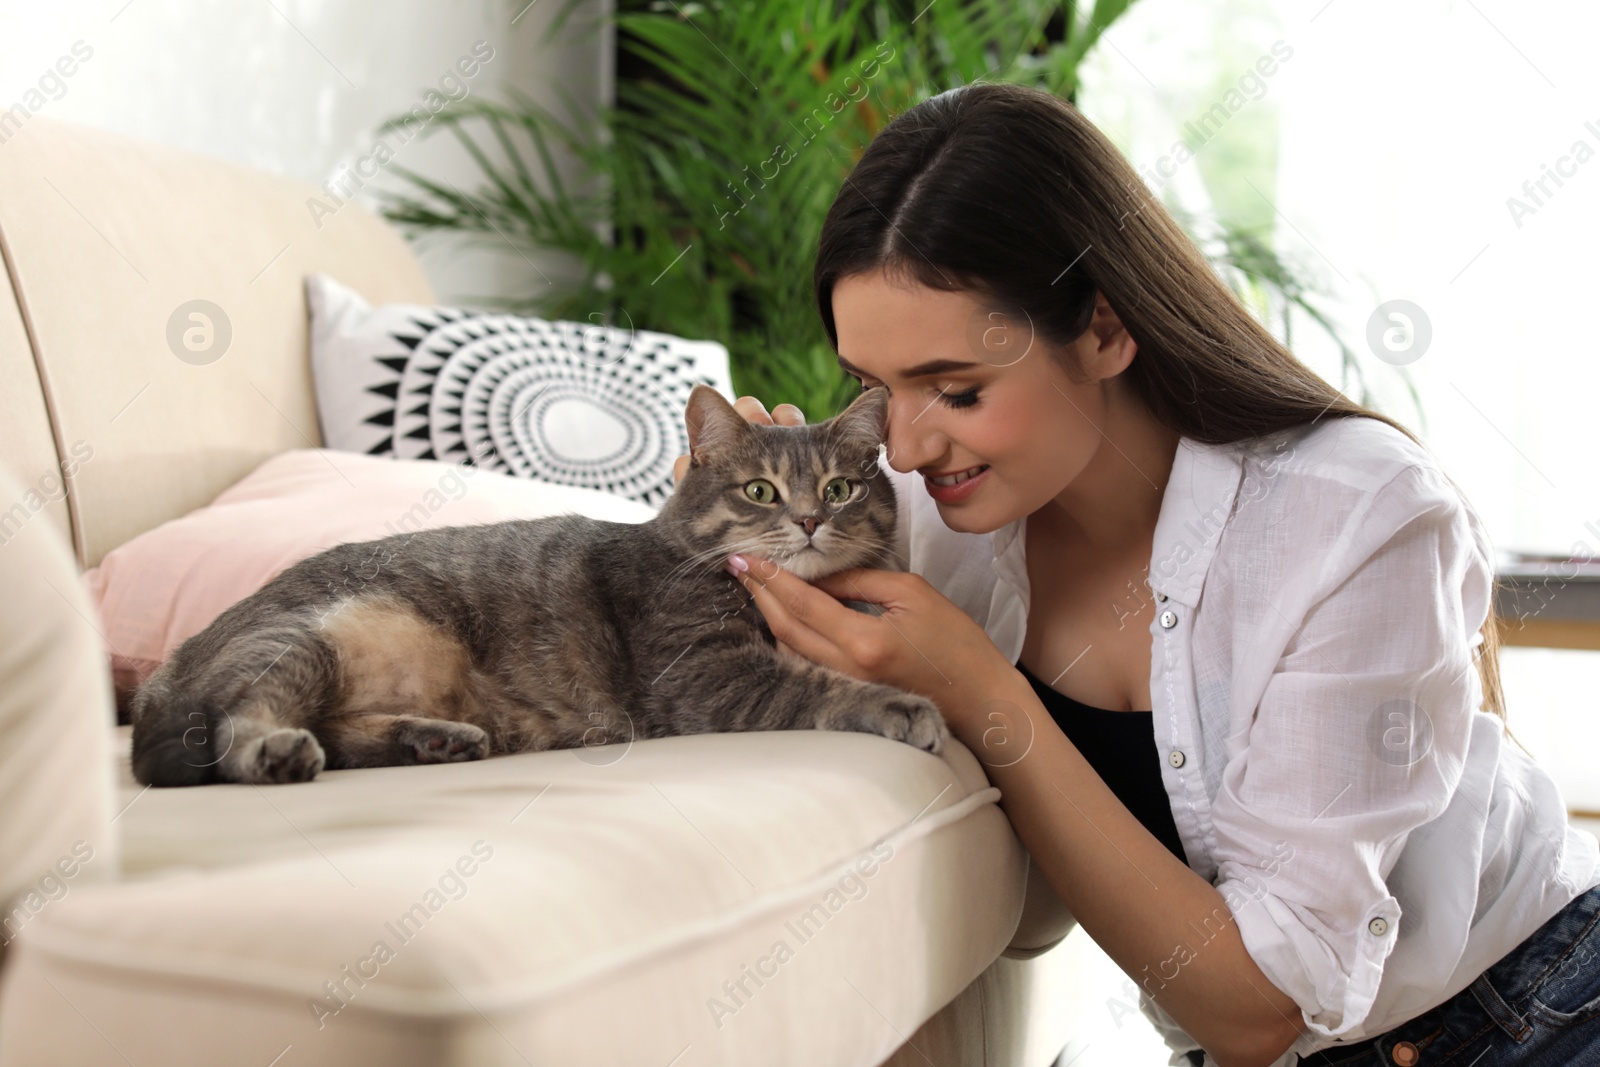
(688,223)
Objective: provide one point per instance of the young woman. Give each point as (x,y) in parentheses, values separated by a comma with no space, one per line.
(1223,639)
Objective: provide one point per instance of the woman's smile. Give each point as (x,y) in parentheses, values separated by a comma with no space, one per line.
(956,486)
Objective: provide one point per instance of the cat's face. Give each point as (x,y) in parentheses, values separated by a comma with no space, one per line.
(811,498)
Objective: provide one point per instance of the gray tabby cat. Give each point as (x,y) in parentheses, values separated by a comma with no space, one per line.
(458,643)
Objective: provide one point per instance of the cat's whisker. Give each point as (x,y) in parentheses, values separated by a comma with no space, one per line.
(859,549)
(880,546)
(709,559)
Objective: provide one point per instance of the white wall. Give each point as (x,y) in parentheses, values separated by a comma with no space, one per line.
(297,87)
(1405,130)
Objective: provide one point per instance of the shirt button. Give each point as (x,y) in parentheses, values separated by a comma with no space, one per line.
(1175,758)
(1161,597)
(1378,927)
(1168,620)
(1405,1054)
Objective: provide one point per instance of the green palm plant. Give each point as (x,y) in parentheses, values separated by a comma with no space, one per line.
(707,183)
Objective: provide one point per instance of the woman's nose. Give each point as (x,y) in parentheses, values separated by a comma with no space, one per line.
(912,441)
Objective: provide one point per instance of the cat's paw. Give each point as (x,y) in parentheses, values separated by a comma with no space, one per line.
(282,756)
(442,741)
(916,720)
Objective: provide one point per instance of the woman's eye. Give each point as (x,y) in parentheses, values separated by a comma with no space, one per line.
(761,491)
(836,491)
(960,400)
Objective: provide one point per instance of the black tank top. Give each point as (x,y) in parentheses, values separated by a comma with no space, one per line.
(1121,747)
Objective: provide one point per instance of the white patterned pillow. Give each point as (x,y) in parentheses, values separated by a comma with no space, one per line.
(565,402)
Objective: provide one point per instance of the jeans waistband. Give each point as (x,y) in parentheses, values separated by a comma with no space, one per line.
(1516,974)
(1503,989)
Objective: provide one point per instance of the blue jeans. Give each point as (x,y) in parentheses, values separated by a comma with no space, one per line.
(1538,1005)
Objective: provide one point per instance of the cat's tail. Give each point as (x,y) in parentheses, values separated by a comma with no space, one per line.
(234,702)
(172,731)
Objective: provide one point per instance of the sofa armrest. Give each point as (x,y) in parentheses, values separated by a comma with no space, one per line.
(56,723)
(1045,920)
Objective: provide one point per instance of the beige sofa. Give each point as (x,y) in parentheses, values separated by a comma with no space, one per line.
(541,908)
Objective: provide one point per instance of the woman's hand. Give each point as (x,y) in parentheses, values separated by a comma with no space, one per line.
(922,642)
(753,410)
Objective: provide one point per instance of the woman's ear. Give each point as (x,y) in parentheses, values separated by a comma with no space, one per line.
(1107,347)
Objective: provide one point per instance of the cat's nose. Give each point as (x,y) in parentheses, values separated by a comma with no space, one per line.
(809,524)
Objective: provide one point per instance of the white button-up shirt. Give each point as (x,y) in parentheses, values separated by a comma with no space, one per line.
(1378,839)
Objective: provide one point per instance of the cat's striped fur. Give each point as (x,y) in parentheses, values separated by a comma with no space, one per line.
(464,642)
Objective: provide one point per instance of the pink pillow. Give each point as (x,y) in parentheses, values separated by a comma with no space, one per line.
(166,585)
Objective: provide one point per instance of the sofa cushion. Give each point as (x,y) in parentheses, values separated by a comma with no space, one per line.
(574,403)
(784,898)
(166,585)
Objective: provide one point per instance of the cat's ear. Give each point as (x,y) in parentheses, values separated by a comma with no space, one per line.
(714,425)
(866,420)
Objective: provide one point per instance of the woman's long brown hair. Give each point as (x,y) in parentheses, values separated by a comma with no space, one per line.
(1010,192)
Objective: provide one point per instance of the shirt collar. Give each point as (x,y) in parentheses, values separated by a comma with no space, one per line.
(1195,508)
(1006,536)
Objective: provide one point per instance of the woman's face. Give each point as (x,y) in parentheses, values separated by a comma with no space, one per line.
(973,396)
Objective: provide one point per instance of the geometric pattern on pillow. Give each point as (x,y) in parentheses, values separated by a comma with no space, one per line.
(564,402)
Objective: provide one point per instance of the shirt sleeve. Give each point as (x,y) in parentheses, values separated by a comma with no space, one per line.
(1359,738)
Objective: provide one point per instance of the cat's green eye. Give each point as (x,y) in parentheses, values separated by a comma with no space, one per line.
(836,492)
(761,491)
